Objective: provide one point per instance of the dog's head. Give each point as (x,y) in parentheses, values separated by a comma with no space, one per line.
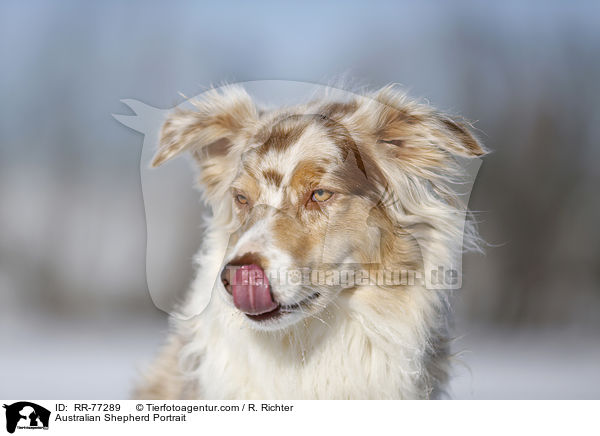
(314,193)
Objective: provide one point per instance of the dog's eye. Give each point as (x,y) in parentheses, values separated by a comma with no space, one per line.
(241,199)
(321,195)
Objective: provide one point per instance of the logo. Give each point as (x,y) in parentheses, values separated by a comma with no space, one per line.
(26,415)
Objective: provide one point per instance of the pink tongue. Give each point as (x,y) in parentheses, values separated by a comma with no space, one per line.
(251,292)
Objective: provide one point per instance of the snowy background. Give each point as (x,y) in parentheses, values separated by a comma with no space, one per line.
(76,320)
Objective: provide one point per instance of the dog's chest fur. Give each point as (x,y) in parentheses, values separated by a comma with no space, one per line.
(347,359)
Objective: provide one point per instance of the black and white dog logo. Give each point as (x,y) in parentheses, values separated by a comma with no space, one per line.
(26,415)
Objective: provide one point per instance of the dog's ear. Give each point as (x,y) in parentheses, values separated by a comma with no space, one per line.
(412,128)
(219,117)
(214,132)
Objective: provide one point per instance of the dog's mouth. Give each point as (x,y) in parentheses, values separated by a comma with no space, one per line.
(252,294)
(283,309)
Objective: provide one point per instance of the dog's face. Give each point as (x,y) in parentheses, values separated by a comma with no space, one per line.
(301,202)
(300,193)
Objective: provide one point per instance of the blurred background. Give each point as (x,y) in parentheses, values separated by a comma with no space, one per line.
(76,318)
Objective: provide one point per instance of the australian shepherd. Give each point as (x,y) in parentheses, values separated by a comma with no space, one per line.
(326,218)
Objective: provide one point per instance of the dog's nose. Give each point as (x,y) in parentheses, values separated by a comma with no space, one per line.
(235,275)
(226,277)
(228,273)
(249,286)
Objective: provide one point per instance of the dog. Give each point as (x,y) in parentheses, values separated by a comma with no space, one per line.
(312,207)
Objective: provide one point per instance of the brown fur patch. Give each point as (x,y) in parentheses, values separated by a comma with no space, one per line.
(307,173)
(336,110)
(273,177)
(281,135)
